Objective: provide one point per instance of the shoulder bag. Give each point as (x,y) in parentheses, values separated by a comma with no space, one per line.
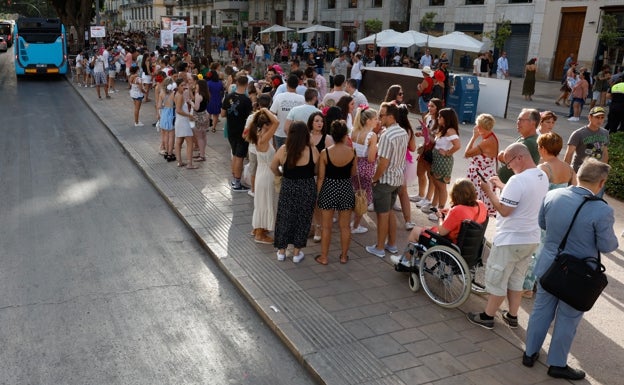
(577,281)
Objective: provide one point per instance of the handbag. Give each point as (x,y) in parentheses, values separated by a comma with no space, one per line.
(575,281)
(361,199)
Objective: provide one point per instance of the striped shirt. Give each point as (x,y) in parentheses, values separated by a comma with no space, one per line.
(392,146)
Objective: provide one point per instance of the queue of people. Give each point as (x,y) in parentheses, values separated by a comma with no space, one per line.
(309,151)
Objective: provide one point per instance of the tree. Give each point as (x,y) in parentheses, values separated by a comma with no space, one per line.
(78,13)
(427,23)
(500,35)
(609,34)
(373,26)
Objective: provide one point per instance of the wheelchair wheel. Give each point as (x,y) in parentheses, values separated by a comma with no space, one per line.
(444,276)
(414,282)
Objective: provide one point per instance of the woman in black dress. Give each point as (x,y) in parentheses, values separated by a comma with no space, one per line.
(296,163)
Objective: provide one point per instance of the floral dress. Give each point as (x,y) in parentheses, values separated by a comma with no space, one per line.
(487,167)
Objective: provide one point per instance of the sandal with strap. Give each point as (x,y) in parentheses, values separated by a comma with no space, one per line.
(199,158)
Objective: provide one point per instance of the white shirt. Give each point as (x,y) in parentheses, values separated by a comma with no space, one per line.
(356,70)
(525,192)
(281,106)
(425,60)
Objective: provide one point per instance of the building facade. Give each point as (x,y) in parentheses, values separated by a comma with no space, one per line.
(548,30)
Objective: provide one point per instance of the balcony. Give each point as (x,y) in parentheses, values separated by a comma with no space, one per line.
(231,5)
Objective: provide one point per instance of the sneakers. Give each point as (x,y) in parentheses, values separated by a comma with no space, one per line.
(475,318)
(240,188)
(529,361)
(138,124)
(416,198)
(281,257)
(371,207)
(392,249)
(397,206)
(299,257)
(433,217)
(409,225)
(372,249)
(423,202)
(427,209)
(251,193)
(512,322)
(359,230)
(400,259)
(573,119)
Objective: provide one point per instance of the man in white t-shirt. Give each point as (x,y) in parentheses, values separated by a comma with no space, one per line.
(338,90)
(293,49)
(303,111)
(281,106)
(358,97)
(259,53)
(517,234)
(356,69)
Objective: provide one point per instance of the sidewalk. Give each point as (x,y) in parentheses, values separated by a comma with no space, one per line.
(347,324)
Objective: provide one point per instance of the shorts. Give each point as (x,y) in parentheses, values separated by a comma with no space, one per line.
(384,197)
(579,100)
(100,78)
(238,144)
(112,74)
(506,268)
(596,95)
(139,99)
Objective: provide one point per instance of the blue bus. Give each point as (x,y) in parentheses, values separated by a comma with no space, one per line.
(40,46)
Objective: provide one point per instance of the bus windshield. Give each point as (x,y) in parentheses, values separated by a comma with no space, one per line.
(40,47)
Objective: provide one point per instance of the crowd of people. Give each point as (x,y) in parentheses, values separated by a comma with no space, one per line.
(302,148)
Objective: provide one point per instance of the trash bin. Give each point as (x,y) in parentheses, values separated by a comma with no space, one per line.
(463,97)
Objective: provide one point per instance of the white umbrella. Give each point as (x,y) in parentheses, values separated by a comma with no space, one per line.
(276,28)
(380,37)
(457,40)
(317,28)
(406,39)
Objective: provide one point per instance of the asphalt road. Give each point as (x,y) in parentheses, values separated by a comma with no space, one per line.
(101,282)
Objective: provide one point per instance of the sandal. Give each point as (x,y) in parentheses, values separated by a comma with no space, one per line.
(192,167)
(344,259)
(181,164)
(214,129)
(318,260)
(199,158)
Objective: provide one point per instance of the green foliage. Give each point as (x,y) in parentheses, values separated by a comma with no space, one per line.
(373,25)
(615,183)
(609,34)
(427,23)
(500,36)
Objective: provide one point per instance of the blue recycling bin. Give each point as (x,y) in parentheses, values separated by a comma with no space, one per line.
(464,97)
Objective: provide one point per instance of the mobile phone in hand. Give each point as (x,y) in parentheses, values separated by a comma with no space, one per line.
(481,176)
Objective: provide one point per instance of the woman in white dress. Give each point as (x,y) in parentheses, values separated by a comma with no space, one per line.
(261,131)
(183,131)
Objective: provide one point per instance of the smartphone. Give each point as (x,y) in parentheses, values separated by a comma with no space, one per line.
(481,176)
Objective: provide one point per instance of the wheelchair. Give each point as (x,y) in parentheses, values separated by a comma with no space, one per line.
(446,271)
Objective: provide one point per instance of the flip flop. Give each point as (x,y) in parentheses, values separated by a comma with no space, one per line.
(180,164)
(318,260)
(344,259)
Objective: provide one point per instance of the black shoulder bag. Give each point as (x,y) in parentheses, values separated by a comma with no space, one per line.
(577,281)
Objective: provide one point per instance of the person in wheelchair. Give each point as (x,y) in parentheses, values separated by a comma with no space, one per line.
(464,205)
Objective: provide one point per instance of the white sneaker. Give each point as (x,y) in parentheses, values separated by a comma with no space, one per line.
(573,119)
(299,257)
(400,259)
(281,257)
(371,207)
(409,225)
(427,209)
(423,202)
(433,217)
(251,193)
(139,124)
(416,198)
(359,230)
(397,206)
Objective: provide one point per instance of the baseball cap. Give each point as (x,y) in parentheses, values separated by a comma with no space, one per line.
(597,111)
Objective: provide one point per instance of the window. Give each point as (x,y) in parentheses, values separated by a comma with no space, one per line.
(353,3)
(331,4)
(377,3)
(520,1)
(436,2)
(474,2)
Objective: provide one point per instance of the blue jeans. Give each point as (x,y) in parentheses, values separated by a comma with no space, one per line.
(279,141)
